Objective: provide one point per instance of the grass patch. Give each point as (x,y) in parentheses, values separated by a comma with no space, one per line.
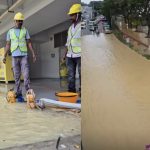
(147,56)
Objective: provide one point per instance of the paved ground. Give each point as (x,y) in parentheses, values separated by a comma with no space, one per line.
(70,143)
(20,125)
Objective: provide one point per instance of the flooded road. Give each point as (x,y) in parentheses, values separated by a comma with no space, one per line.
(20,125)
(115,95)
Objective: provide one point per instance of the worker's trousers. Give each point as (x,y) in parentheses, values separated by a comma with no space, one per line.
(72,64)
(21,65)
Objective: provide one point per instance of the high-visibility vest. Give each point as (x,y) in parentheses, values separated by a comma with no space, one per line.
(18,42)
(74,39)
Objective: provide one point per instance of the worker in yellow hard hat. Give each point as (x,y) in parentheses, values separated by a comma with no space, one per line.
(73,47)
(18,42)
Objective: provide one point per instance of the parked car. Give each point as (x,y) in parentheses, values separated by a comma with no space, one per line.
(91,28)
(91,23)
(107,29)
(105,24)
(83,25)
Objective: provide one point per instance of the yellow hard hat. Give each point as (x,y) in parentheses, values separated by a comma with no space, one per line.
(19,16)
(76,8)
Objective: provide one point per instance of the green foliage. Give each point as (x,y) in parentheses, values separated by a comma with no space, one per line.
(147,56)
(131,10)
(97,6)
(136,22)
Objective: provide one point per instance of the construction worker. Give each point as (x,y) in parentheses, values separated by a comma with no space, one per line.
(73,47)
(18,41)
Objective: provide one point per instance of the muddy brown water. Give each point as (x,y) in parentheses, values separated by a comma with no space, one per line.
(20,125)
(115,95)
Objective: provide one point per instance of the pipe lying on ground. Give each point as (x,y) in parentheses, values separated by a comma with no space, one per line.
(50,102)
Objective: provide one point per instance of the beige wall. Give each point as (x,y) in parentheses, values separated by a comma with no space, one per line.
(46,65)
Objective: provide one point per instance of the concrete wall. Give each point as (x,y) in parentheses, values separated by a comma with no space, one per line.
(47,65)
(39,15)
(43,19)
(28,8)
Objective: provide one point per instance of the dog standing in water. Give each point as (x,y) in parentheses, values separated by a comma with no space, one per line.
(30,97)
(11,96)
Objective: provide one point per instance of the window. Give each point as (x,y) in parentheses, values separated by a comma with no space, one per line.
(60,39)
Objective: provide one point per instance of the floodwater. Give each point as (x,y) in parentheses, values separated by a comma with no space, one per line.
(20,125)
(115,95)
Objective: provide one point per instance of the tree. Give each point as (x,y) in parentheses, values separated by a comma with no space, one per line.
(146,15)
(96,5)
(107,9)
(134,11)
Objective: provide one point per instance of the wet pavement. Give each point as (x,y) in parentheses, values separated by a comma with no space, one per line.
(20,125)
(69,143)
(86,31)
(115,95)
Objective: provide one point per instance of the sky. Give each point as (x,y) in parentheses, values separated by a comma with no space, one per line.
(87,1)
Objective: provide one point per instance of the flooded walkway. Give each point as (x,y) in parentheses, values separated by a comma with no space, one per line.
(20,125)
(115,95)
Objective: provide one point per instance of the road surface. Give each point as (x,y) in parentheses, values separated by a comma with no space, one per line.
(115,95)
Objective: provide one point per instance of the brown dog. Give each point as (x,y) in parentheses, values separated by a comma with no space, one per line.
(30,97)
(11,96)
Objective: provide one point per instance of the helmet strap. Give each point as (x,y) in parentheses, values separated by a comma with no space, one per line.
(77,17)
